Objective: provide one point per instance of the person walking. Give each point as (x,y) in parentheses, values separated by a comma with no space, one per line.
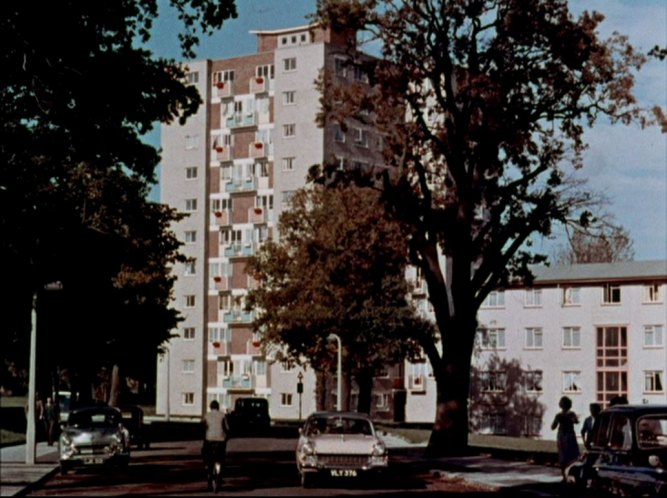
(587,429)
(564,421)
(216,431)
(51,418)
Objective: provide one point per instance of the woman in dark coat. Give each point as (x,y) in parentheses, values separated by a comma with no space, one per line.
(565,420)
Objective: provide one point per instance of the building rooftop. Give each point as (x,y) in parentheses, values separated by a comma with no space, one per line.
(599,272)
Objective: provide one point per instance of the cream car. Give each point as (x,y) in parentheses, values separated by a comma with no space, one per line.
(94,436)
(339,445)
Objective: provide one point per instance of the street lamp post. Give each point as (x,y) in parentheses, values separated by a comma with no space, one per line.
(299,390)
(339,387)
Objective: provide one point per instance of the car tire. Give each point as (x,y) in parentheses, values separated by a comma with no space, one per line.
(307,480)
(63,468)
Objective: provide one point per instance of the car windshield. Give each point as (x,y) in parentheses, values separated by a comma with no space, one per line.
(84,420)
(338,425)
(652,431)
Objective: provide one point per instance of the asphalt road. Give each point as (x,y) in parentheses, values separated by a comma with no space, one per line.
(259,467)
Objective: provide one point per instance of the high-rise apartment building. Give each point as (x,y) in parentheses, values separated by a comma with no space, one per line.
(232,168)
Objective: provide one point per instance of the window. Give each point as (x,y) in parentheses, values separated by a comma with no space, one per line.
(191,205)
(360,74)
(289,130)
(533,381)
(287,198)
(191,142)
(192,78)
(188,366)
(533,338)
(652,293)
(381,401)
(190,236)
(654,336)
(572,382)
(285,399)
(653,381)
(191,173)
(288,163)
(492,423)
(265,71)
(190,301)
(289,64)
(226,172)
(571,296)
(495,299)
(189,333)
(361,137)
(571,337)
(493,381)
(493,338)
(340,67)
(533,297)
(339,134)
(223,76)
(289,97)
(611,294)
(191,267)
(188,399)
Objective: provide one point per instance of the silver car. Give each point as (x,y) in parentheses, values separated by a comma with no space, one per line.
(94,436)
(339,445)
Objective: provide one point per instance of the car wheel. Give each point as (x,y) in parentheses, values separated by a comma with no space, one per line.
(63,468)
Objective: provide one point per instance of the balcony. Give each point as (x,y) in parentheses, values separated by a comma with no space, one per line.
(241,120)
(217,348)
(259,84)
(254,347)
(257,150)
(221,217)
(247,184)
(224,89)
(220,283)
(238,382)
(257,215)
(223,153)
(417,383)
(237,316)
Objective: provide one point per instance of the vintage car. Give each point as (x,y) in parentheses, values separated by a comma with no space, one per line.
(339,445)
(94,436)
(250,416)
(133,420)
(627,454)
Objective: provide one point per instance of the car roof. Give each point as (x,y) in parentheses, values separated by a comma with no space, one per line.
(96,409)
(324,414)
(637,409)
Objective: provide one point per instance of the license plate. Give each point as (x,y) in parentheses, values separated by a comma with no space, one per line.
(93,461)
(343,473)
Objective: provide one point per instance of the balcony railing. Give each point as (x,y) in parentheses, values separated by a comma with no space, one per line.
(221,217)
(257,215)
(220,348)
(223,153)
(257,150)
(224,89)
(246,184)
(237,382)
(259,84)
(221,283)
(239,250)
(417,383)
(237,316)
(241,120)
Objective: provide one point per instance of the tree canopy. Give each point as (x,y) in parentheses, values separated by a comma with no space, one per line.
(76,94)
(482,105)
(339,267)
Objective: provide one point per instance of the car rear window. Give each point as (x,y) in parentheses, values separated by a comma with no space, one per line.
(652,431)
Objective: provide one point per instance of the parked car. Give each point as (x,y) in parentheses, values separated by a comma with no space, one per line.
(250,416)
(133,420)
(628,452)
(340,445)
(94,436)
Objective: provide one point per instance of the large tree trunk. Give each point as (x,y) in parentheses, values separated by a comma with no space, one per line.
(450,430)
(365,383)
(114,392)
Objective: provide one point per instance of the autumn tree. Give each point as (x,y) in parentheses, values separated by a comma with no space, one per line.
(338,267)
(78,91)
(482,105)
(607,242)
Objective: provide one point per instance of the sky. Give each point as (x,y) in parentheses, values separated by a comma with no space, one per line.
(626,163)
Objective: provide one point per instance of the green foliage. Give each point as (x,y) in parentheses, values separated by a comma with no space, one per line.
(339,267)
(482,106)
(76,93)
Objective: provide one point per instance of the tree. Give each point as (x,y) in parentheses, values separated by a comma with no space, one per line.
(482,105)
(339,267)
(608,243)
(77,93)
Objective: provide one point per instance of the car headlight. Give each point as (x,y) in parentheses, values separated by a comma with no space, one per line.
(307,449)
(379,449)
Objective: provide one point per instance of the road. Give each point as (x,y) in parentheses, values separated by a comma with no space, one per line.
(257,467)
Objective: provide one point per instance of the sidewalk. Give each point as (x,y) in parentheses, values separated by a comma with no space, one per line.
(16,477)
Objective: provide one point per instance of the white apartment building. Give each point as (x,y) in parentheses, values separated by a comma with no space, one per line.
(232,168)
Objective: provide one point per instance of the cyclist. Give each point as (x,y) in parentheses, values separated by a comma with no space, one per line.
(215,441)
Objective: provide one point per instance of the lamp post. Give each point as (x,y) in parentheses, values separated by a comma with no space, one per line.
(339,387)
(299,390)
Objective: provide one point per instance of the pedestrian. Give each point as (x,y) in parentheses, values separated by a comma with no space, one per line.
(564,421)
(38,414)
(216,430)
(51,417)
(587,429)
